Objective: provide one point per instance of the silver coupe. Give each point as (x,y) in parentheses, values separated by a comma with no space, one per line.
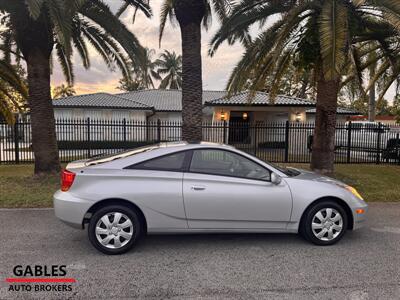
(200,188)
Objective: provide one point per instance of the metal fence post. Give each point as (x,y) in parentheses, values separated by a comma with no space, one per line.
(397,148)
(287,127)
(349,142)
(378,146)
(16,143)
(124,129)
(158,130)
(88,136)
(255,139)
(224,133)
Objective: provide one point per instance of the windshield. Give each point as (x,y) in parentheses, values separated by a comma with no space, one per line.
(106,158)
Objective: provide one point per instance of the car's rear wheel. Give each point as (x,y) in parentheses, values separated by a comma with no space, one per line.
(324,223)
(114,229)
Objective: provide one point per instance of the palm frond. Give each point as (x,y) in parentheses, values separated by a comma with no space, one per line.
(10,76)
(141,5)
(242,17)
(101,15)
(66,63)
(166,11)
(80,44)
(333,27)
(60,13)
(34,7)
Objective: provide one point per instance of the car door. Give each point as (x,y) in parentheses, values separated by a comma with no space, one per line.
(225,190)
(156,186)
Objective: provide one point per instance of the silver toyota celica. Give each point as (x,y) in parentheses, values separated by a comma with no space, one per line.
(200,188)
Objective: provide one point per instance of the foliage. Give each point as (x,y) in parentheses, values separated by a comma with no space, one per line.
(129,85)
(75,24)
(317,36)
(63,91)
(396,108)
(141,74)
(13,90)
(167,69)
(169,66)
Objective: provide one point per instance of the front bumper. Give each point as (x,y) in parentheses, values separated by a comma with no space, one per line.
(70,209)
(359,219)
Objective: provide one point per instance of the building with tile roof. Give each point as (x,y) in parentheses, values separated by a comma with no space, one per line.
(166,105)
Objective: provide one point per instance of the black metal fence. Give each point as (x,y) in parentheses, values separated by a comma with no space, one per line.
(276,142)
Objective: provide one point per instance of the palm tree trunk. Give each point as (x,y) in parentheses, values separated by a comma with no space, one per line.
(44,140)
(323,150)
(189,14)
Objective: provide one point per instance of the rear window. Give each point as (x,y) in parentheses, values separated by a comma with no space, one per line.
(131,152)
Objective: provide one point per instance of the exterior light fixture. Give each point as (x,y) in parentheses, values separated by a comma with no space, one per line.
(245,116)
(223,116)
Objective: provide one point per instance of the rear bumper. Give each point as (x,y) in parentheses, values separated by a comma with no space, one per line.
(69,209)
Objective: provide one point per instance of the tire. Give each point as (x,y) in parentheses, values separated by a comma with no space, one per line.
(118,237)
(326,231)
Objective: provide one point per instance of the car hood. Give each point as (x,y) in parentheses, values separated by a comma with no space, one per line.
(311,176)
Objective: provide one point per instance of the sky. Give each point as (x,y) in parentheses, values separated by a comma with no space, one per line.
(216,69)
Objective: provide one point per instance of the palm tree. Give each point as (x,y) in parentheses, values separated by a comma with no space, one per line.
(13,91)
(142,73)
(63,91)
(322,34)
(191,14)
(170,66)
(36,28)
(129,85)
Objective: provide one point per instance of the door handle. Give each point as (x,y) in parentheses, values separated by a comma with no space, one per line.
(198,188)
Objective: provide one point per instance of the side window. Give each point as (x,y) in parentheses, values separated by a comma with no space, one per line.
(172,162)
(225,163)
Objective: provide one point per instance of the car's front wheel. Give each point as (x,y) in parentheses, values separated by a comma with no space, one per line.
(114,229)
(324,223)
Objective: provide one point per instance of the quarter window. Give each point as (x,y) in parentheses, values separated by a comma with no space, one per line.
(172,162)
(225,163)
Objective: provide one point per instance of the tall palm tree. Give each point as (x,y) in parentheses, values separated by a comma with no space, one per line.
(191,14)
(63,91)
(13,91)
(37,27)
(170,67)
(322,33)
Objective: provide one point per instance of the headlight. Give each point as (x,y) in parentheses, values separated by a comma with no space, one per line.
(354,192)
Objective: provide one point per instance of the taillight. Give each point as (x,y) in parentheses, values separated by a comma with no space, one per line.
(67,179)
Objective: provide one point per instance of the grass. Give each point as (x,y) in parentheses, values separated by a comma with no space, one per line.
(18,188)
(376,183)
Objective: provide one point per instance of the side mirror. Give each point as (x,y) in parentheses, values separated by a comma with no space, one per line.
(275,179)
